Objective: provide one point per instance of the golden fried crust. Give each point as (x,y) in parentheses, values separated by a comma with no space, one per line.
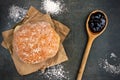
(35,42)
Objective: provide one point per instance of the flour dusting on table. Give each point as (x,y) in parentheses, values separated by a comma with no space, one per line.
(56,73)
(16,13)
(110,64)
(53,7)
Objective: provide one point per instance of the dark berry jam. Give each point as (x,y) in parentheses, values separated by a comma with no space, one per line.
(97,22)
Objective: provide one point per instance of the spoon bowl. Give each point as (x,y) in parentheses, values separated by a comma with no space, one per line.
(95,26)
(93,34)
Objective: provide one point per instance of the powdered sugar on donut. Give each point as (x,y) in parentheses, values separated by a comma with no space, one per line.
(35,42)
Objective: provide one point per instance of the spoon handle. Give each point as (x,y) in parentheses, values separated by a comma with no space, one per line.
(85,57)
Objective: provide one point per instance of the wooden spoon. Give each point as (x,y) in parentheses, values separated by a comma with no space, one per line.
(91,37)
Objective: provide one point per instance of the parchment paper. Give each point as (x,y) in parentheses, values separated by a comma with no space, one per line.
(34,15)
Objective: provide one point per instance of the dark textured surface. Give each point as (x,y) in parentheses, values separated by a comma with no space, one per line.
(75,42)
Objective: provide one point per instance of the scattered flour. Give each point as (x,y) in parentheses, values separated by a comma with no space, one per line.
(110,64)
(113,55)
(16,13)
(53,7)
(56,73)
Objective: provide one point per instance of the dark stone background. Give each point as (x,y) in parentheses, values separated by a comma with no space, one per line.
(75,42)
